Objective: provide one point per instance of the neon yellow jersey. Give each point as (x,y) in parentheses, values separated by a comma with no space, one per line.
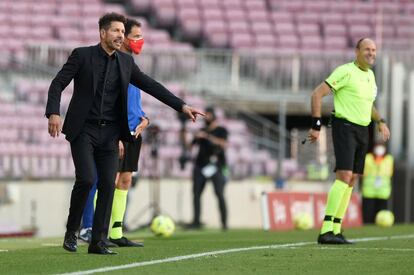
(354,93)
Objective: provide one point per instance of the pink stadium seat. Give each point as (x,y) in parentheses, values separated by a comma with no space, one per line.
(238,26)
(209,3)
(281,17)
(213,14)
(140,6)
(331,30)
(341,6)
(258,16)
(69,9)
(285,28)
(211,27)
(357,19)
(403,20)
(307,18)
(191,28)
(262,28)
(332,18)
(186,3)
(292,6)
(310,42)
(335,43)
(235,15)
(241,40)
(308,29)
(165,15)
(187,13)
(356,32)
(288,41)
(255,5)
(388,7)
(218,40)
(232,4)
(364,8)
(118,8)
(317,6)
(405,32)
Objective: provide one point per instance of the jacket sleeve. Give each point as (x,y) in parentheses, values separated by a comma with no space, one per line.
(60,82)
(154,88)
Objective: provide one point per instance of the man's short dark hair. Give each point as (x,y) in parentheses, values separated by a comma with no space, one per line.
(106,20)
(129,24)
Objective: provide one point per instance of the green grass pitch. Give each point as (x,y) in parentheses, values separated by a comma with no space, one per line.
(232,252)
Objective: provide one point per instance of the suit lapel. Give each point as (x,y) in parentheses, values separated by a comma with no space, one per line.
(124,71)
(95,64)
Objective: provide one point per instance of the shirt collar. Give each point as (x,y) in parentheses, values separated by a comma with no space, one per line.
(105,54)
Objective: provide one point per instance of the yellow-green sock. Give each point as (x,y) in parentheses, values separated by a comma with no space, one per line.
(332,204)
(118,212)
(337,222)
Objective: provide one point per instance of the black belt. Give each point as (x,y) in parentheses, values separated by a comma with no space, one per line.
(100,122)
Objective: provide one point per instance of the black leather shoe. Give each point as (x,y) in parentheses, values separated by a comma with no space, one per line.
(70,242)
(100,248)
(124,242)
(329,238)
(108,243)
(342,237)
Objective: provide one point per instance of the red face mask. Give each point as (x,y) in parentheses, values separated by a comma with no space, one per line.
(136,45)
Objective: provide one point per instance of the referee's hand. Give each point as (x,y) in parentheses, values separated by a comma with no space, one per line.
(385,132)
(313,135)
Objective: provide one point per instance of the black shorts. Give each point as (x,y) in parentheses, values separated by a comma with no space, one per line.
(350,143)
(131,156)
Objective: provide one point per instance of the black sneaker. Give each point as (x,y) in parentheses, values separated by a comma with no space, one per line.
(342,237)
(70,242)
(329,238)
(85,234)
(124,242)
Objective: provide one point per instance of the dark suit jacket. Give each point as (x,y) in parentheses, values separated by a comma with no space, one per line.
(80,67)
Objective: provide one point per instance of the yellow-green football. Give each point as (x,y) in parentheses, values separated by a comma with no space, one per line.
(384,218)
(162,226)
(303,221)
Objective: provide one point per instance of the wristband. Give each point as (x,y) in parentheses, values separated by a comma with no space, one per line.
(316,123)
(380,121)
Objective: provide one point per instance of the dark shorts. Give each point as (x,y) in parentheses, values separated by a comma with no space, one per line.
(350,143)
(131,156)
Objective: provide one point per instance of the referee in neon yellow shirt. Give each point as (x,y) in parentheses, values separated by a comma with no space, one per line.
(354,90)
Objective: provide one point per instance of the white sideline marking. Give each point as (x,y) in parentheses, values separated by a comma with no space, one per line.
(226,251)
(4,250)
(359,248)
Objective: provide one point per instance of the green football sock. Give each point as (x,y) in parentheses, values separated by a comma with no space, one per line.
(332,204)
(342,210)
(118,212)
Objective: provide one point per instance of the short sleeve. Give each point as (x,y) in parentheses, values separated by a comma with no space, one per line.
(221,132)
(338,78)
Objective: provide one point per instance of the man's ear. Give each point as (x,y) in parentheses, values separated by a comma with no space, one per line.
(102,32)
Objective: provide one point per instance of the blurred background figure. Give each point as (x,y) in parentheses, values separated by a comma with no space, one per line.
(210,164)
(376,183)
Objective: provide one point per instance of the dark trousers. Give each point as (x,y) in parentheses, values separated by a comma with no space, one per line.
(370,208)
(95,145)
(199,182)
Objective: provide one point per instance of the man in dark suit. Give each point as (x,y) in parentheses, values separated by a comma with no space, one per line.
(97,118)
